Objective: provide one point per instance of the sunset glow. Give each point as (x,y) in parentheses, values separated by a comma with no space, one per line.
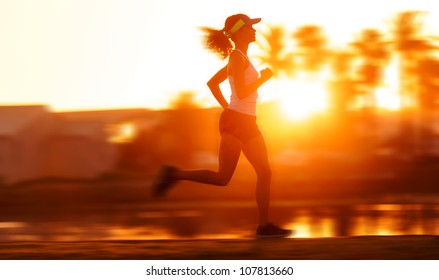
(300,99)
(386,99)
(195,131)
(125,54)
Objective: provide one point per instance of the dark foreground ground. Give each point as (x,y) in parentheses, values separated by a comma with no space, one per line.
(356,248)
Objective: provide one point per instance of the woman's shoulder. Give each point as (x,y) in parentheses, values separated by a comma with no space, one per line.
(239,53)
(238,56)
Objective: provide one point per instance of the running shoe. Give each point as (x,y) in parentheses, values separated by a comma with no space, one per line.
(270,230)
(164,181)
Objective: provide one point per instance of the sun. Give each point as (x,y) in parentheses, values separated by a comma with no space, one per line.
(300,99)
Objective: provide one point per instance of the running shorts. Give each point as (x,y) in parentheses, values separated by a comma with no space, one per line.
(242,126)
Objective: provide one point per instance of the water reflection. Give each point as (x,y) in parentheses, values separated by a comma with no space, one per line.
(306,226)
(222,221)
(388,219)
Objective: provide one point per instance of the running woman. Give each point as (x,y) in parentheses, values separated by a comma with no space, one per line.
(238,128)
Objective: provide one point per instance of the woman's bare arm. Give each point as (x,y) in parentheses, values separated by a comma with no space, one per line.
(214,86)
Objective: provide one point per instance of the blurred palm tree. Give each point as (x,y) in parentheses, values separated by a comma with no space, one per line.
(312,47)
(184,100)
(342,86)
(411,47)
(373,55)
(275,52)
(428,93)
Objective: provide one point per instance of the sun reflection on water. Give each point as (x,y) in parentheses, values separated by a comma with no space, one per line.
(139,233)
(231,223)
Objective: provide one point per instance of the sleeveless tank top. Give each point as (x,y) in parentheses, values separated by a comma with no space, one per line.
(246,105)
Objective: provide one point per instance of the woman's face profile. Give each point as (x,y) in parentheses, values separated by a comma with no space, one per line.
(247,34)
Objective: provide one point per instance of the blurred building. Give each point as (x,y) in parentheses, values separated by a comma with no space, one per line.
(22,128)
(37,143)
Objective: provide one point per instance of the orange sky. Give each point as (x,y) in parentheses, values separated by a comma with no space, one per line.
(83,54)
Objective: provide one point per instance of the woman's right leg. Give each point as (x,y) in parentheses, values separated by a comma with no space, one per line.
(230,149)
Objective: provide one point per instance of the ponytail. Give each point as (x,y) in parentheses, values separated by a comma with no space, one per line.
(217,42)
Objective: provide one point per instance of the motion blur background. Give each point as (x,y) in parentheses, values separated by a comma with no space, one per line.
(96,95)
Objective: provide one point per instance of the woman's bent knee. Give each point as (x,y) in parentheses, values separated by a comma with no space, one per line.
(223,182)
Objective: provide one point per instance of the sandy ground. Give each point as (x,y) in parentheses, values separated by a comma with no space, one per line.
(356,248)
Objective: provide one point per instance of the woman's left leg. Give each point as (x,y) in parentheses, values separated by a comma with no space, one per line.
(255,150)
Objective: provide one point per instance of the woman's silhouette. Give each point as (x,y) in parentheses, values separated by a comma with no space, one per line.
(238,127)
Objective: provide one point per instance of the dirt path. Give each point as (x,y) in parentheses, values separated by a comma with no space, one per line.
(357,248)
